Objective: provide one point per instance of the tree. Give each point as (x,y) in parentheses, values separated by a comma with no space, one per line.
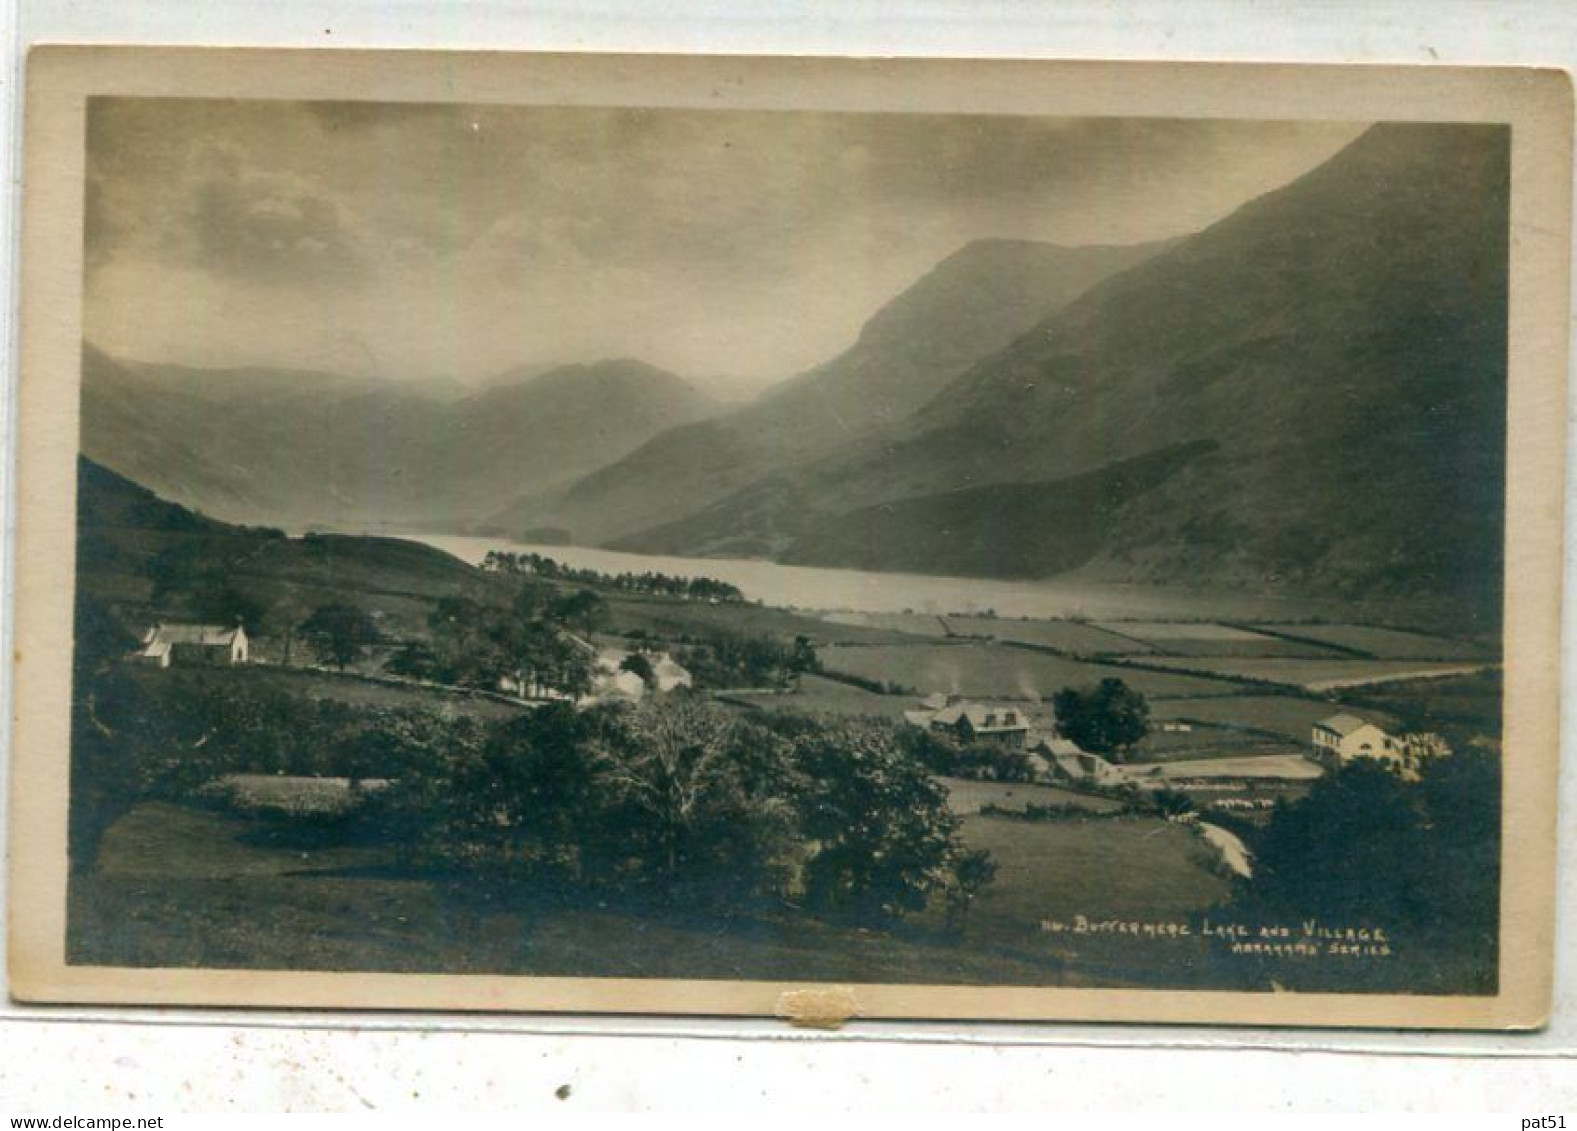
(972,872)
(99,637)
(884,836)
(415,660)
(803,658)
(710,797)
(563,665)
(339,634)
(132,742)
(584,609)
(183,566)
(1171,803)
(1420,859)
(516,804)
(640,664)
(222,603)
(1109,718)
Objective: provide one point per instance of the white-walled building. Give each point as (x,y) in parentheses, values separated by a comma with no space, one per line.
(195,645)
(1339,739)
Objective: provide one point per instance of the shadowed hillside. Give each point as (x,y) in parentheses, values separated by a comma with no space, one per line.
(1342,344)
(298,449)
(970,305)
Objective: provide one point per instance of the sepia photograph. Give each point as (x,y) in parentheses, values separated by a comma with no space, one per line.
(790,534)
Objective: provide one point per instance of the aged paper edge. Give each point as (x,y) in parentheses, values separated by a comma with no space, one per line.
(1536,103)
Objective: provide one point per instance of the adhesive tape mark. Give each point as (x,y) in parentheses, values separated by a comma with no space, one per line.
(824,1008)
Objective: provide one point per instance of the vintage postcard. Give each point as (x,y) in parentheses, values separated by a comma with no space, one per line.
(906,538)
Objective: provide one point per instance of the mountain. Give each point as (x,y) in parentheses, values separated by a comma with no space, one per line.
(145,558)
(302,448)
(969,306)
(1326,366)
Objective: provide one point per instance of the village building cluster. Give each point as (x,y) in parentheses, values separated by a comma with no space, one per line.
(614,674)
(626,674)
(1334,741)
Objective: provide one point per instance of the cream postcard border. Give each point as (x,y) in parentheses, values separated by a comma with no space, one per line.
(1536,104)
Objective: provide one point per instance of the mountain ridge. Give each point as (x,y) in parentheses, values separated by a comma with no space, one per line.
(299,448)
(1341,340)
(971,303)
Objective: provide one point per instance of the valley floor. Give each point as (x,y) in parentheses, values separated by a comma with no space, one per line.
(190,887)
(1232,704)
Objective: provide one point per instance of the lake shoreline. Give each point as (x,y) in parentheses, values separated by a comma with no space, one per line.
(815,589)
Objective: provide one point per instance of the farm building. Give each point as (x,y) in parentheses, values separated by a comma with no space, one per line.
(1063,760)
(613,679)
(973,722)
(194,645)
(1339,739)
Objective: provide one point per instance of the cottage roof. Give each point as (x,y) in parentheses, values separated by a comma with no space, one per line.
(210,635)
(982,718)
(1343,724)
(1081,765)
(1057,746)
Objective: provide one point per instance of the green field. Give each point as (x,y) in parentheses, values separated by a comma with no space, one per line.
(1140,867)
(1002,671)
(1287,715)
(910,624)
(1469,702)
(1071,636)
(1276,765)
(1162,745)
(818,695)
(1385,643)
(337,688)
(967,797)
(1183,638)
(1316,675)
(670,619)
(185,887)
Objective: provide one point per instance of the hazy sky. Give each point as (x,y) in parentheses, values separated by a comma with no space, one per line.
(732,247)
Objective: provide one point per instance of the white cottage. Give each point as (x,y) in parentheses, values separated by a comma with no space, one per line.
(195,645)
(1341,738)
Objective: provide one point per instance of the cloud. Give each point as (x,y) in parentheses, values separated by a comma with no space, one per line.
(270,225)
(467,239)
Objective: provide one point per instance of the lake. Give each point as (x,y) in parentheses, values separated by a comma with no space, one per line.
(806,587)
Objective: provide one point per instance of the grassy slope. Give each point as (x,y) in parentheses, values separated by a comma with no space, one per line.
(1385,643)
(187,887)
(348,688)
(1315,675)
(123,527)
(1001,670)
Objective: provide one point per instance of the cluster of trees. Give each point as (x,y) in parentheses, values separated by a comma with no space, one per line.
(192,574)
(675,795)
(137,739)
(523,645)
(1367,847)
(730,659)
(681,795)
(655,584)
(1109,718)
(339,634)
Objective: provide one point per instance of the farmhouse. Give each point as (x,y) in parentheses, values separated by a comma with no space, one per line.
(194,645)
(972,722)
(1339,739)
(612,679)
